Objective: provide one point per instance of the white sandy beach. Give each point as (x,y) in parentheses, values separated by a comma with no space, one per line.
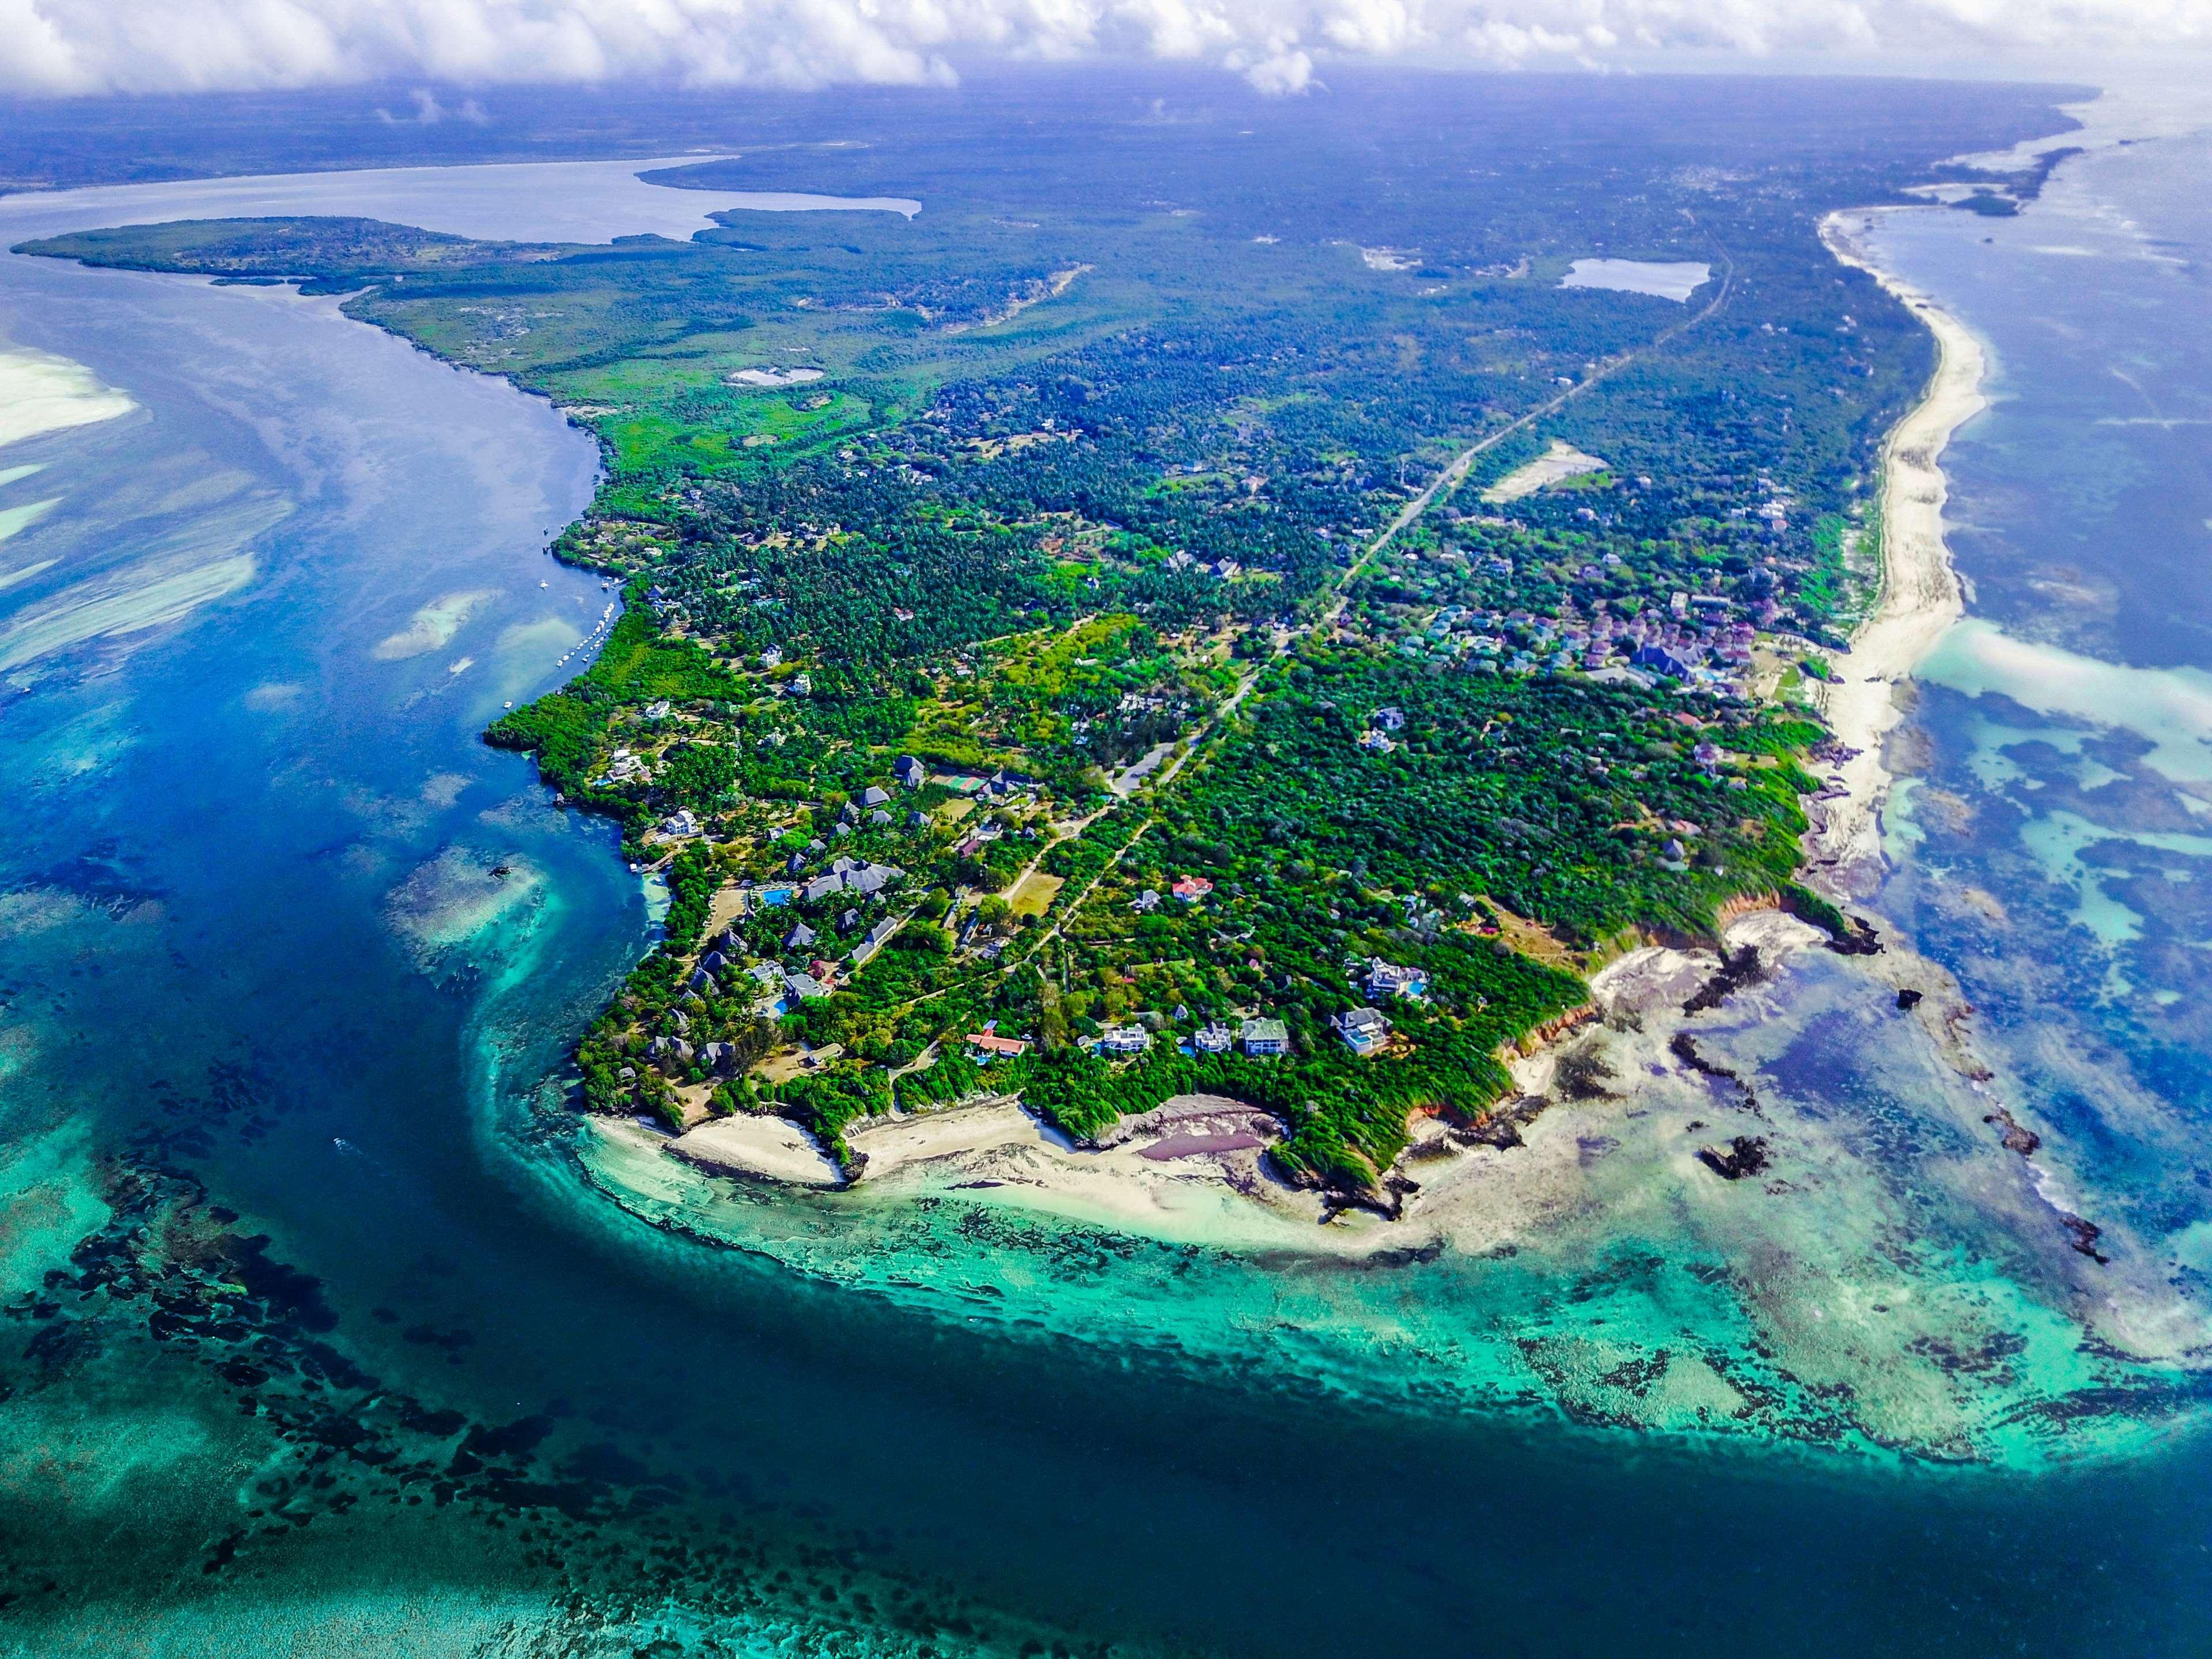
(1920,596)
(1181,1172)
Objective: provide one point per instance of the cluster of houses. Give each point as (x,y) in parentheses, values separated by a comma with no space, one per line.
(912,774)
(676,1054)
(1363,1030)
(1258,1037)
(1700,639)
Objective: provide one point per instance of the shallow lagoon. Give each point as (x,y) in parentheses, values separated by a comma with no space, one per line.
(253,942)
(1663,279)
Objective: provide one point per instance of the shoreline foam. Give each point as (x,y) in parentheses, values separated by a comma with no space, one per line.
(1920,598)
(996,1153)
(1822,1288)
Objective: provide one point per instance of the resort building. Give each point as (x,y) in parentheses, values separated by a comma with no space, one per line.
(1125,1040)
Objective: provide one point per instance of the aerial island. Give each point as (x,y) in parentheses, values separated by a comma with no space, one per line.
(1159,640)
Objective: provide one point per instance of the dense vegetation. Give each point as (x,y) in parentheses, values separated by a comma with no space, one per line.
(1011,640)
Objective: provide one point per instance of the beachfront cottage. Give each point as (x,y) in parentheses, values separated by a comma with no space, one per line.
(1364,1030)
(1214,1039)
(1125,1040)
(909,772)
(875,795)
(821,887)
(804,987)
(703,982)
(799,937)
(1266,1037)
(719,1057)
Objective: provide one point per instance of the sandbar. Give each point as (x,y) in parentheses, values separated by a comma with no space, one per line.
(41,392)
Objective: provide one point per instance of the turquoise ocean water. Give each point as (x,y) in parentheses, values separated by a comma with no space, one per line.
(319,1337)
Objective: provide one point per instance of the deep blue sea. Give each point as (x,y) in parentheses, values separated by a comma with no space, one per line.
(317,1341)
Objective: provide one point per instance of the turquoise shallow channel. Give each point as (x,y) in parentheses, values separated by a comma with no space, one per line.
(330,1330)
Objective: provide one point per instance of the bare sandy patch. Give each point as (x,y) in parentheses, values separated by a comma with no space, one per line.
(1556,465)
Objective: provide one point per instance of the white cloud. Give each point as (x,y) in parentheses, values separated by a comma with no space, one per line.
(60,46)
(429,112)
